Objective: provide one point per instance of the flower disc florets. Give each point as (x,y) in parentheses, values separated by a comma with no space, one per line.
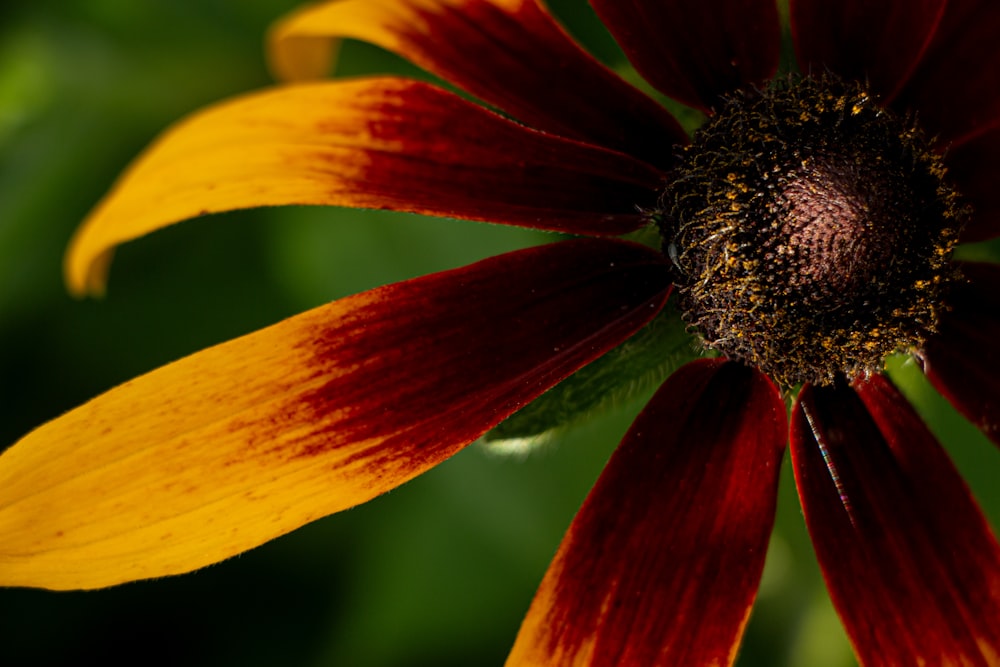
(811,231)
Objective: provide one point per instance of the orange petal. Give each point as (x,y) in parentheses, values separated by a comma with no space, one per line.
(662,563)
(509,53)
(376,143)
(240,443)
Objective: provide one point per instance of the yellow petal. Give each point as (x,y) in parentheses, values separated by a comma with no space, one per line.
(509,53)
(240,443)
(301,45)
(375,143)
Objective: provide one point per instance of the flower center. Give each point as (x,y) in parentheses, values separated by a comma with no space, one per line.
(811,231)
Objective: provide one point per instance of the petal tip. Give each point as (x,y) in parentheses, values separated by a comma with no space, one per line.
(293,54)
(86,275)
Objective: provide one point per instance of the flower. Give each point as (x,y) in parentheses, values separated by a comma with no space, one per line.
(810,220)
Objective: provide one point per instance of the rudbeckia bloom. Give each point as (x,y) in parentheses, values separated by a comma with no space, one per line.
(805,233)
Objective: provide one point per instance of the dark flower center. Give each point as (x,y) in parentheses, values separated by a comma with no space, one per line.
(811,231)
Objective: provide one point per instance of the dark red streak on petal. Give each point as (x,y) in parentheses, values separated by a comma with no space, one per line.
(445,156)
(877,42)
(962,360)
(975,169)
(526,64)
(911,564)
(437,361)
(696,51)
(664,559)
(955,89)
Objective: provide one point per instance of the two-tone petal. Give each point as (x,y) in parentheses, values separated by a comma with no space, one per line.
(696,51)
(376,143)
(662,563)
(509,53)
(233,446)
(962,360)
(911,564)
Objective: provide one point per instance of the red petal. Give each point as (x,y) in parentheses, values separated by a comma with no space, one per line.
(975,168)
(963,361)
(696,51)
(911,564)
(510,53)
(240,443)
(661,565)
(956,88)
(878,42)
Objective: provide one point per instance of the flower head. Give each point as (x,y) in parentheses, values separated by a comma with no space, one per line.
(806,230)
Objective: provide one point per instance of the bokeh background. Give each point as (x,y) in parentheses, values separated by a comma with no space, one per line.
(437,573)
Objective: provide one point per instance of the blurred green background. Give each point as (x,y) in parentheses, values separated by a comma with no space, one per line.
(439,572)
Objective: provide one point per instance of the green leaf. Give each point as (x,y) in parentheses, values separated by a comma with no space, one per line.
(636,365)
